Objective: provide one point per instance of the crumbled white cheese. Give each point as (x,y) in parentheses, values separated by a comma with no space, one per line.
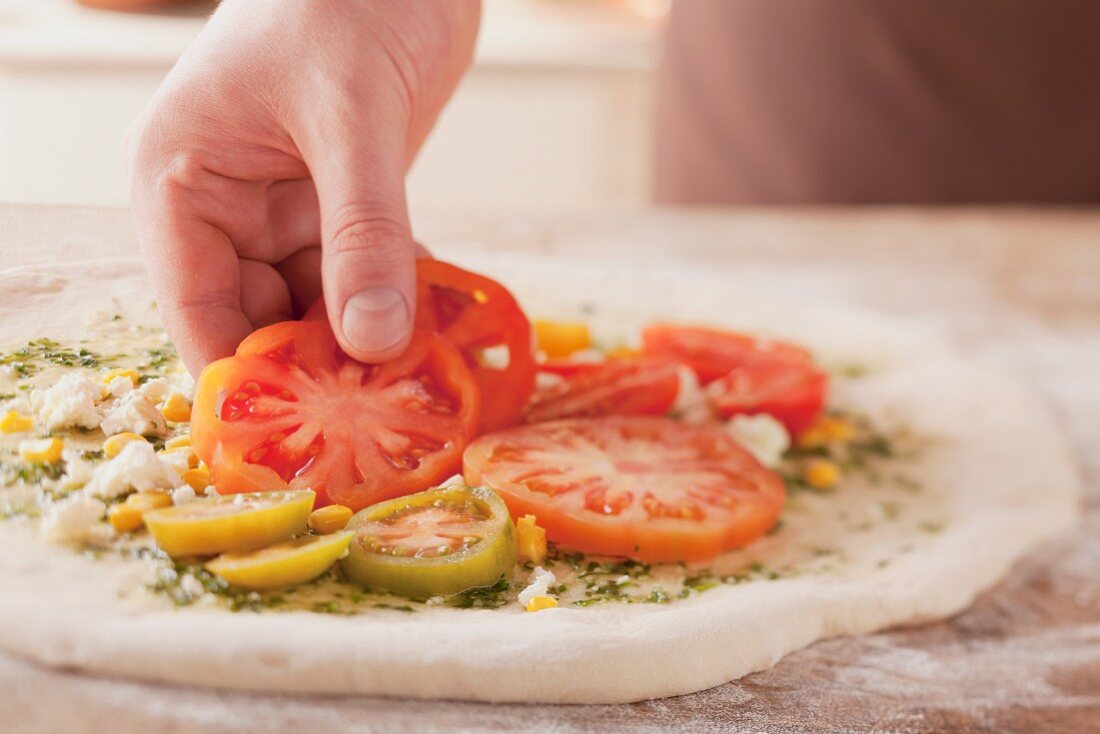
(454,481)
(68,403)
(762,436)
(77,471)
(120,385)
(546,380)
(692,404)
(541,581)
(136,413)
(183,495)
(136,467)
(75,519)
(495,358)
(191,585)
(175,460)
(211,491)
(156,389)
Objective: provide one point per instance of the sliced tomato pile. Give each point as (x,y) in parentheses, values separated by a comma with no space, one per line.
(745,374)
(615,387)
(291,410)
(481,318)
(645,487)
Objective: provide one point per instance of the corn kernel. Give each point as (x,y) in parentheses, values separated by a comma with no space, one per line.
(176,409)
(560,339)
(531,540)
(827,429)
(623,353)
(192,457)
(15,422)
(329,519)
(538,603)
(822,474)
(178,442)
(197,479)
(130,515)
(44,451)
(113,445)
(116,373)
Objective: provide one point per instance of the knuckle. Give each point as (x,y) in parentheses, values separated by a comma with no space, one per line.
(371,234)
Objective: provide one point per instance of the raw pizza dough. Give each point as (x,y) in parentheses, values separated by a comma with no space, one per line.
(999,479)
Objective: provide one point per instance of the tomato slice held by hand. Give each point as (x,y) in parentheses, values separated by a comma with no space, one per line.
(643,487)
(713,353)
(746,375)
(615,387)
(481,318)
(291,410)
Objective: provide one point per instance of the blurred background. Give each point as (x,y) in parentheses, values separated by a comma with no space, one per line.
(575,75)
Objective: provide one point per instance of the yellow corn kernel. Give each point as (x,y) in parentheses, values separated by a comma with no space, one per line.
(623,353)
(192,457)
(113,445)
(130,515)
(531,540)
(826,430)
(15,422)
(197,478)
(329,519)
(176,408)
(178,442)
(538,603)
(44,451)
(560,338)
(821,474)
(116,373)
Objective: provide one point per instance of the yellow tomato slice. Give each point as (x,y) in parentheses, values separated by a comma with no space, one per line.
(285,564)
(239,522)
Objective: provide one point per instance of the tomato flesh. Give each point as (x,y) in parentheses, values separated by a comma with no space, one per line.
(642,487)
(441,541)
(291,410)
(483,319)
(746,375)
(615,387)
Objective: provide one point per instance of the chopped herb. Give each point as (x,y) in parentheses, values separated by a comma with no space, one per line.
(484,597)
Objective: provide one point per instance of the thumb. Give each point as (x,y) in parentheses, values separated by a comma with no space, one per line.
(368,255)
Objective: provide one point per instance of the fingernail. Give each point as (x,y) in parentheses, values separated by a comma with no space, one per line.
(375,319)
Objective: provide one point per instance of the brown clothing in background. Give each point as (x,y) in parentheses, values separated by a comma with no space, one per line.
(846,101)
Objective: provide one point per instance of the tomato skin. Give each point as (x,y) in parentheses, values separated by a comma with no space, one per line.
(615,387)
(713,353)
(477,313)
(793,394)
(291,410)
(745,375)
(670,491)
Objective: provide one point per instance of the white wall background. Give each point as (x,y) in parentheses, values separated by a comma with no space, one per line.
(555,113)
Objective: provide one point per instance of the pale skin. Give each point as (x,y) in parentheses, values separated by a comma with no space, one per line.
(270,167)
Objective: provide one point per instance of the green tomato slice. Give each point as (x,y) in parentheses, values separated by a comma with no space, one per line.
(438,542)
(232,522)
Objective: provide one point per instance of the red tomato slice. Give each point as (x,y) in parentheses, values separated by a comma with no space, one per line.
(746,375)
(615,387)
(291,410)
(713,353)
(480,317)
(644,487)
(793,394)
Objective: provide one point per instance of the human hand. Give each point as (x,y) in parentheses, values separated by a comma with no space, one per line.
(271,164)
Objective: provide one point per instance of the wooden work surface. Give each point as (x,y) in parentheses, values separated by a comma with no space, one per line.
(1016,288)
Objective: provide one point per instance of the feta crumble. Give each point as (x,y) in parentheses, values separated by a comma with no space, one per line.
(136,413)
(761,435)
(541,581)
(120,386)
(156,389)
(75,519)
(136,467)
(692,405)
(183,495)
(69,403)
